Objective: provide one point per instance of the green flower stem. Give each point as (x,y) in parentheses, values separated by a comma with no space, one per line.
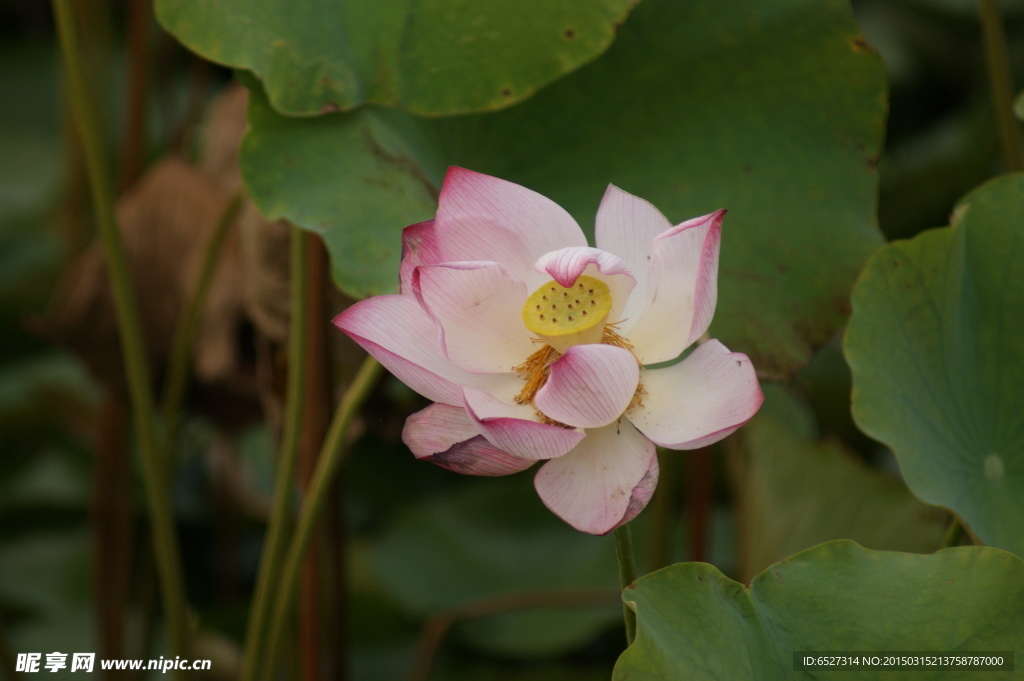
(136,369)
(1001,80)
(330,458)
(268,578)
(665,509)
(188,322)
(627,575)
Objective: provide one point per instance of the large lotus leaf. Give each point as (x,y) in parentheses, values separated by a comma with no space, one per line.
(431,57)
(938,363)
(797,490)
(772,109)
(695,623)
(495,540)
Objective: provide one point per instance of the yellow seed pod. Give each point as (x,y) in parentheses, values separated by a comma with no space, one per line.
(554,310)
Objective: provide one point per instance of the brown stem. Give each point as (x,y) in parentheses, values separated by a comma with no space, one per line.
(133,142)
(665,509)
(1000,76)
(338,562)
(111,518)
(700,484)
(73,217)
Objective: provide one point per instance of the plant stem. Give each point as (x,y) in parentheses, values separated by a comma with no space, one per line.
(188,322)
(700,484)
(268,578)
(331,457)
(665,509)
(627,575)
(136,369)
(134,142)
(317,384)
(113,531)
(1001,80)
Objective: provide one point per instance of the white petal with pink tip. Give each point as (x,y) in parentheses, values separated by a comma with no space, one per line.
(478,308)
(398,332)
(642,493)
(446,436)
(480,217)
(516,428)
(699,401)
(626,225)
(592,487)
(681,290)
(589,386)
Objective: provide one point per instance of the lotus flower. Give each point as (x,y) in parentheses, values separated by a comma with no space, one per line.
(535,346)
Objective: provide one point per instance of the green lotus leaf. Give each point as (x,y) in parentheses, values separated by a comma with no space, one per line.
(695,623)
(430,57)
(772,109)
(938,364)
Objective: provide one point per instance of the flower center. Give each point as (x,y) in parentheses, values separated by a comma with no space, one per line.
(554,310)
(562,317)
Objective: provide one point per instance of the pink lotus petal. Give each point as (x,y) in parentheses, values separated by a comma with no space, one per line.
(478,307)
(516,428)
(446,436)
(566,265)
(699,401)
(682,289)
(642,493)
(589,386)
(480,217)
(626,225)
(595,486)
(419,247)
(400,334)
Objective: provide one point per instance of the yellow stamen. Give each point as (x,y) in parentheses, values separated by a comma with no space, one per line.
(535,372)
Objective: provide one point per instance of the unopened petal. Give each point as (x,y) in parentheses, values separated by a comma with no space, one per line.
(700,400)
(446,436)
(602,481)
(589,386)
(480,217)
(478,306)
(401,335)
(565,265)
(682,289)
(516,428)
